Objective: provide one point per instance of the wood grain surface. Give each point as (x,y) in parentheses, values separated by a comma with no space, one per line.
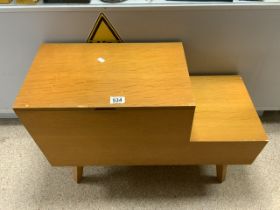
(224,111)
(79,138)
(5,1)
(86,75)
(154,136)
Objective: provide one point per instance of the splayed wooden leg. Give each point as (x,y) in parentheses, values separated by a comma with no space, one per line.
(78,173)
(221,172)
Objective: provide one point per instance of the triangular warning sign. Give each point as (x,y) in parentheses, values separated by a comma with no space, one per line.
(103,32)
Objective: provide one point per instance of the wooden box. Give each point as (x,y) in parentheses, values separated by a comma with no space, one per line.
(5,1)
(100,104)
(27,1)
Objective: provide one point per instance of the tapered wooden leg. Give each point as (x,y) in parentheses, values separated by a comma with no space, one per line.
(78,173)
(221,172)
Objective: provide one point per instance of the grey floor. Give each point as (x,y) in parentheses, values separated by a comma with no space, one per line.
(27,181)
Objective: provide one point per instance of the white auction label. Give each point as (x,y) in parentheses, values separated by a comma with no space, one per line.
(117,99)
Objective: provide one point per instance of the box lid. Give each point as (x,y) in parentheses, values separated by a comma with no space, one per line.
(224,111)
(89,75)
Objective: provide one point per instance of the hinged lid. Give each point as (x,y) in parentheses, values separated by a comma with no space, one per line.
(107,75)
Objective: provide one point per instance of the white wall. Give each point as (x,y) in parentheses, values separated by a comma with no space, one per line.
(217,41)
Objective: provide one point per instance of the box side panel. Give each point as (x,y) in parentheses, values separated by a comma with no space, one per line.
(142,137)
(128,136)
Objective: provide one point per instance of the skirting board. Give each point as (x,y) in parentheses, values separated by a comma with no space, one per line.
(7,113)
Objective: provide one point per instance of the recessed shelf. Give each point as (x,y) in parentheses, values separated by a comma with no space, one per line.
(139,4)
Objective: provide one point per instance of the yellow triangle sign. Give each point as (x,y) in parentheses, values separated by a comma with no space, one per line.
(103,32)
